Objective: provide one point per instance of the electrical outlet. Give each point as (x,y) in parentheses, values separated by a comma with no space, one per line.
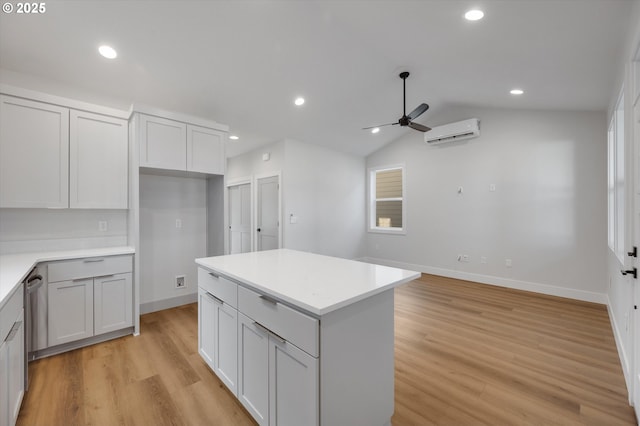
(178,223)
(180,281)
(507,263)
(103,226)
(465,258)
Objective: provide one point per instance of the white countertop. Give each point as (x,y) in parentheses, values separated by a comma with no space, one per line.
(15,267)
(315,283)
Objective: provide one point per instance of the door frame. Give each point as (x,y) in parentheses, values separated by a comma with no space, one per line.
(254,236)
(228,184)
(633,131)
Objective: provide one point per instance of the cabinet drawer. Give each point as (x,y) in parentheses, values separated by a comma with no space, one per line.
(89,267)
(219,286)
(294,326)
(10,311)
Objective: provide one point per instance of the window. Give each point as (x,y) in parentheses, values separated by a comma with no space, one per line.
(387,211)
(616,180)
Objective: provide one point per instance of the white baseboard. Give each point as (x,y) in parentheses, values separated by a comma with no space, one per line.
(159,305)
(624,361)
(587,296)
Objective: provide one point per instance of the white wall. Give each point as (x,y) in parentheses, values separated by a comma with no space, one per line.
(548,213)
(215,216)
(166,251)
(323,188)
(23,230)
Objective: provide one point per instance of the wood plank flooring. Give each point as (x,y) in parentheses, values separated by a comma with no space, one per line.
(466,354)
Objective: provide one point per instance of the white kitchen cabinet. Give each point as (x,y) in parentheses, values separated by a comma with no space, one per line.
(293,385)
(70,310)
(163,143)
(89,297)
(253,368)
(12,357)
(16,360)
(206,327)
(34,154)
(226,345)
(175,145)
(112,302)
(205,150)
(4,384)
(98,161)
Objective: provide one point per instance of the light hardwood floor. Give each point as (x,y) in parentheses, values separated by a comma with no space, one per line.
(466,354)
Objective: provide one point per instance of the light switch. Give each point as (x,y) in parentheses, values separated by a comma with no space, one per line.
(293,219)
(178,223)
(266,156)
(492,187)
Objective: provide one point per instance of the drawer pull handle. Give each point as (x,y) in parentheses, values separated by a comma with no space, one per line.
(93,260)
(268,299)
(216,276)
(266,330)
(14,331)
(104,276)
(220,301)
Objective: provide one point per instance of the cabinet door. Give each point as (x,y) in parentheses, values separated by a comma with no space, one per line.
(163,143)
(206,327)
(34,154)
(293,385)
(226,350)
(16,369)
(98,161)
(253,368)
(70,309)
(205,150)
(113,306)
(4,383)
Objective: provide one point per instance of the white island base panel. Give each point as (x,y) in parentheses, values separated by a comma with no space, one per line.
(357,363)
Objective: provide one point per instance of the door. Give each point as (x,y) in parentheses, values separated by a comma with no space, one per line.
(293,385)
(206,327)
(226,351)
(34,154)
(112,296)
(205,150)
(70,309)
(253,368)
(240,218)
(635,387)
(98,161)
(268,216)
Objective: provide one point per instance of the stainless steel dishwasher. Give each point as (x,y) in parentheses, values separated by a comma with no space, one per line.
(35,316)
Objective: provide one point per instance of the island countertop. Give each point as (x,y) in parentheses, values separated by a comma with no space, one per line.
(315,283)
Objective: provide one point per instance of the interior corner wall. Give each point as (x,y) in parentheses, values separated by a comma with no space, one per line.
(167,250)
(324,190)
(215,216)
(547,213)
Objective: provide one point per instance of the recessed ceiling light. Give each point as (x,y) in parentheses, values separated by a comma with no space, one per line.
(375,130)
(108,52)
(474,15)
(234,137)
(299,101)
(517,92)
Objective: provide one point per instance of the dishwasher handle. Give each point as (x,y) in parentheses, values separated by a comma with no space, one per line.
(33,286)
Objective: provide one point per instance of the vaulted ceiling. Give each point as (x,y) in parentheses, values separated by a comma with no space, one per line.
(242,63)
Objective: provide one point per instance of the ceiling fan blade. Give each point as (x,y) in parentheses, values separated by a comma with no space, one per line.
(381,125)
(418,111)
(420,127)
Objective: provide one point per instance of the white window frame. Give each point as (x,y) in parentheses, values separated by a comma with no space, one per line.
(371,200)
(616,191)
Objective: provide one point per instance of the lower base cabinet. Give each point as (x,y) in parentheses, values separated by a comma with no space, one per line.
(253,369)
(12,358)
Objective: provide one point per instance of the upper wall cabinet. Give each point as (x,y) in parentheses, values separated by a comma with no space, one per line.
(34,154)
(57,157)
(175,145)
(98,161)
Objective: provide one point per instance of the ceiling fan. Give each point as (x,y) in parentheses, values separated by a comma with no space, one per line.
(407,120)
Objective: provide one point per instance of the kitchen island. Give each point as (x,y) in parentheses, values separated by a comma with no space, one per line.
(300,338)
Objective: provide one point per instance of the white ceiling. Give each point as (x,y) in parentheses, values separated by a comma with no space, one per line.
(241,63)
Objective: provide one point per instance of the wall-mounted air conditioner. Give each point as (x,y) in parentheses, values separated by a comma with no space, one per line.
(460,130)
